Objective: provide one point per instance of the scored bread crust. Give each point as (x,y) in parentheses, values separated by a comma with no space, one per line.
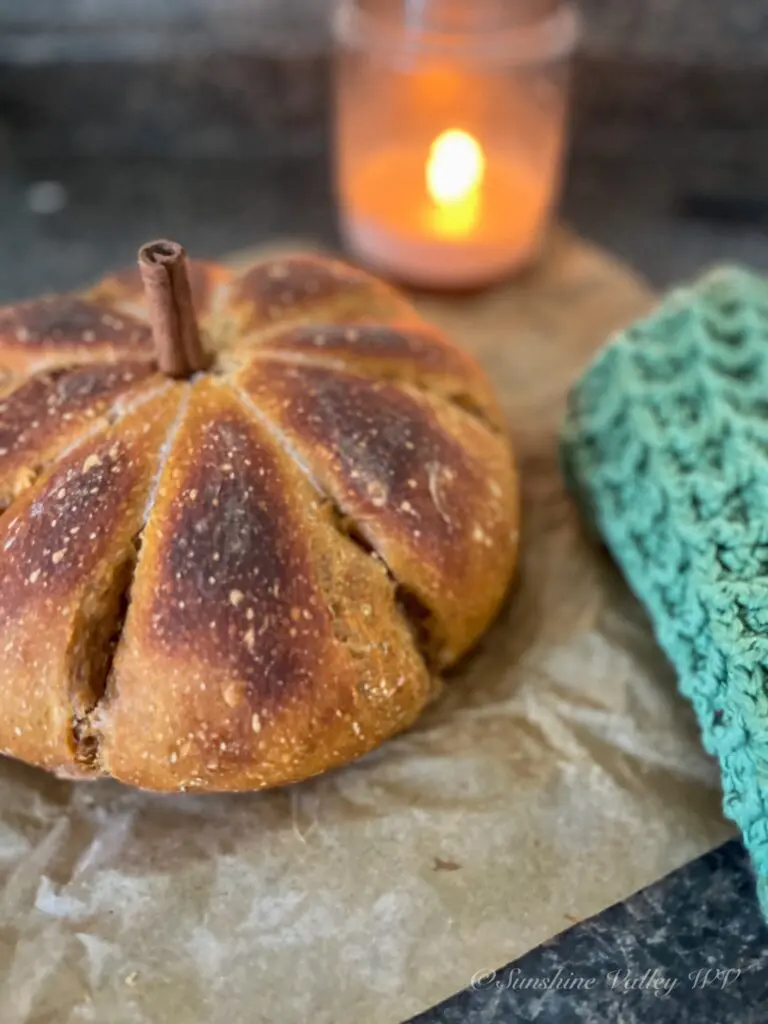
(244,579)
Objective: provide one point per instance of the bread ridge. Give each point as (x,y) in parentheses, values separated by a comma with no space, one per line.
(418,604)
(65,541)
(222,757)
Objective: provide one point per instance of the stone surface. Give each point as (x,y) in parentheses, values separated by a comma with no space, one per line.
(691,30)
(694,31)
(231,106)
(247,78)
(690,949)
(705,124)
(106,208)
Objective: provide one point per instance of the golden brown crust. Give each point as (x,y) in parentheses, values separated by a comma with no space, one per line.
(261,646)
(410,353)
(49,411)
(250,578)
(66,328)
(429,488)
(8,380)
(64,545)
(302,289)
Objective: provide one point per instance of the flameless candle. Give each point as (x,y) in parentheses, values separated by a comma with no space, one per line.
(449,141)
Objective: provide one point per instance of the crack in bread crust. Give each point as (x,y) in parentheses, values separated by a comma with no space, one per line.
(261,646)
(90,678)
(431,490)
(91,657)
(417,616)
(68,544)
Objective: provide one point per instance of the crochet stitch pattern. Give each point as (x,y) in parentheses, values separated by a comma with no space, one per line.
(665,447)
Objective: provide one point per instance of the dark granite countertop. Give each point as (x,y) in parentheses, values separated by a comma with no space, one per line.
(66,221)
(690,949)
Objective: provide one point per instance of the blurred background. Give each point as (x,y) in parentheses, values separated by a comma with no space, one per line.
(210,120)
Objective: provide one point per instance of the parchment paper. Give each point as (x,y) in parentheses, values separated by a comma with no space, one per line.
(559,773)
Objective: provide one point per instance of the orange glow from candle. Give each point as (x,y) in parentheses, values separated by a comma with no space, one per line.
(455,170)
(458,213)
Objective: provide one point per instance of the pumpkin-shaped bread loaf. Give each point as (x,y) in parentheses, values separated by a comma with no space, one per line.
(237,546)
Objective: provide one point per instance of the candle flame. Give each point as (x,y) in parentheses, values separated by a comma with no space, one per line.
(454,171)
(455,167)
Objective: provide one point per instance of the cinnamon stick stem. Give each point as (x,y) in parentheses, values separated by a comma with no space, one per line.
(165,275)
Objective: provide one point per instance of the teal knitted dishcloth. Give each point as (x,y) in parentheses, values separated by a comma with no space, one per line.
(665,447)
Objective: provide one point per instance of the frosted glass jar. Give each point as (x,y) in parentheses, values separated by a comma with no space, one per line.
(450,130)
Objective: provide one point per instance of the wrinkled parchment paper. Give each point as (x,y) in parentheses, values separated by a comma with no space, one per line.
(559,773)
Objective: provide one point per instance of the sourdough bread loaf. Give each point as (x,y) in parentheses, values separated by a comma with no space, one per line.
(243,578)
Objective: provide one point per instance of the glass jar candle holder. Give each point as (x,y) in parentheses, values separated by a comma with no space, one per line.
(450,126)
